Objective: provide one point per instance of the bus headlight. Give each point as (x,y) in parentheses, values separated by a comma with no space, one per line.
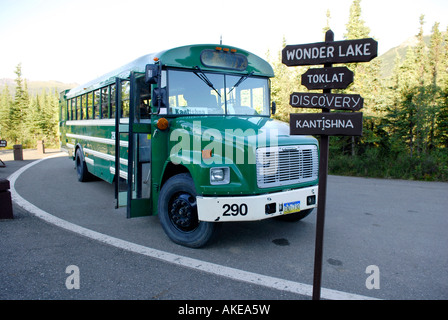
(219,175)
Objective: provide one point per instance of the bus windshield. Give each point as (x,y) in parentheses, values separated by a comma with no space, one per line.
(202,93)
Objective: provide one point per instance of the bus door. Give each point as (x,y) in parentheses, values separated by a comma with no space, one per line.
(133,146)
(122,97)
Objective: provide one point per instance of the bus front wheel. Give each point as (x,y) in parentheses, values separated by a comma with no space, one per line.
(178,213)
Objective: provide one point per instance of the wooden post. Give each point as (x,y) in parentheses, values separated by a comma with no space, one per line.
(5,200)
(322,195)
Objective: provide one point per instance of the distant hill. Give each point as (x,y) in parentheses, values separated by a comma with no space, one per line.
(388,58)
(36,87)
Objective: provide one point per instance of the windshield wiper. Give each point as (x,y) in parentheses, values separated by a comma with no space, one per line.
(204,78)
(243,78)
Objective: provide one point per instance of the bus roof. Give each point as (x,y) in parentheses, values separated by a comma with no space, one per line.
(180,57)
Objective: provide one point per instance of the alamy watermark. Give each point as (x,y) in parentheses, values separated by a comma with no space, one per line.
(373,280)
(73,280)
(227,149)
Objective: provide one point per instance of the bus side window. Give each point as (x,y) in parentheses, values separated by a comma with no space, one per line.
(72,109)
(105,103)
(96,104)
(89,105)
(125,90)
(112,101)
(69,109)
(78,108)
(83,107)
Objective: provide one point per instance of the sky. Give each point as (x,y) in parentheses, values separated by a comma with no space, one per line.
(79,40)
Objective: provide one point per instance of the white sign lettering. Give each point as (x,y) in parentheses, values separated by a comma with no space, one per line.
(359,50)
(352,102)
(324,123)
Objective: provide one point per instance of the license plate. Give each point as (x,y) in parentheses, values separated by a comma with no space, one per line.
(291,207)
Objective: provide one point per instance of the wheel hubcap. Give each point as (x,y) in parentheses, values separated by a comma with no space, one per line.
(183,212)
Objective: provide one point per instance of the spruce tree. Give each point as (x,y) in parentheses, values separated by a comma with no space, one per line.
(442,78)
(435,64)
(286,81)
(5,106)
(367,82)
(19,109)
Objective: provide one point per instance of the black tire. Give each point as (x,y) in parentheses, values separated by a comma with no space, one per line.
(81,167)
(178,213)
(296,216)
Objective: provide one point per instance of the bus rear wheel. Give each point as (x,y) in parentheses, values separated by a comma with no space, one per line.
(81,167)
(178,213)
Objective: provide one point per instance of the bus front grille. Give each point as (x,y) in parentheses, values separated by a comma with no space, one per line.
(281,166)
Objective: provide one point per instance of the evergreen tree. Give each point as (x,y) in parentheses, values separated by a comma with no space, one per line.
(18,109)
(420,94)
(367,83)
(5,106)
(442,78)
(286,81)
(327,27)
(434,89)
(33,117)
(356,28)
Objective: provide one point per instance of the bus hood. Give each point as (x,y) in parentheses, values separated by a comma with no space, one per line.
(256,131)
(231,141)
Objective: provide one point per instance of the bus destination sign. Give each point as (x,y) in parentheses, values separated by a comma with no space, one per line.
(346,51)
(327,78)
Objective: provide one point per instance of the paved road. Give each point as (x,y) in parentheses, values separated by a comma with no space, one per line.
(397,226)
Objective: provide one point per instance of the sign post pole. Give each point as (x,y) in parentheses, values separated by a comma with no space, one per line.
(322,196)
(326,124)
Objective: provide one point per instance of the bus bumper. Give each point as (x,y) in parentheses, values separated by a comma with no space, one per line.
(258,207)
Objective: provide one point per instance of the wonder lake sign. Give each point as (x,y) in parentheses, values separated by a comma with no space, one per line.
(360,50)
(326,123)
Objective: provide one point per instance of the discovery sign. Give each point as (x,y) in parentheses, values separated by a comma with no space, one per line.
(353,102)
(360,50)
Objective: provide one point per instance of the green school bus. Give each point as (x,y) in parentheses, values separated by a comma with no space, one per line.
(186,134)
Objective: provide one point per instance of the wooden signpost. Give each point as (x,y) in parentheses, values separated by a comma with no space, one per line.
(326,123)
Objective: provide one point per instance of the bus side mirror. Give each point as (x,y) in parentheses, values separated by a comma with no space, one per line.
(152,73)
(274,107)
(159,96)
